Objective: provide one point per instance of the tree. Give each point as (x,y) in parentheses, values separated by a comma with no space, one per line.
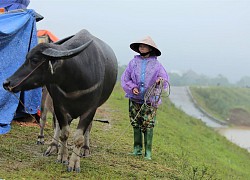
(244,82)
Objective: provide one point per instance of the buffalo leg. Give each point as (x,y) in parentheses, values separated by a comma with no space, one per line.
(86,146)
(63,149)
(46,106)
(40,139)
(43,119)
(85,120)
(53,147)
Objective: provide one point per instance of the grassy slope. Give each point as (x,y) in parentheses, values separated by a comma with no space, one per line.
(183,148)
(219,100)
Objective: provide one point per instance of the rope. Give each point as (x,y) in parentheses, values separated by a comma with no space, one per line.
(11,88)
(151,92)
(148,94)
(48,133)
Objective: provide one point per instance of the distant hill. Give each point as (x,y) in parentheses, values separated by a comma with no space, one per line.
(192,78)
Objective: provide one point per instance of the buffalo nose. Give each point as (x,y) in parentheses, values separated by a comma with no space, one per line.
(6,85)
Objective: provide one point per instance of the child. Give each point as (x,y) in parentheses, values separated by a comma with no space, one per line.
(142,72)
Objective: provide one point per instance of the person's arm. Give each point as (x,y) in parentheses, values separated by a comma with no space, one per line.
(126,81)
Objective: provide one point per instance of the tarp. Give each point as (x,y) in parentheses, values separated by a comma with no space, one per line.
(9,5)
(48,33)
(17,36)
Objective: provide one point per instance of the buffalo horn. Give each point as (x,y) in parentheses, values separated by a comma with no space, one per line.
(51,52)
(63,40)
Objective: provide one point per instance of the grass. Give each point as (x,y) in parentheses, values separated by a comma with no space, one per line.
(218,101)
(183,148)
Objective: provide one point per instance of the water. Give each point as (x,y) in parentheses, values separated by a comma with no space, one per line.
(182,99)
(239,136)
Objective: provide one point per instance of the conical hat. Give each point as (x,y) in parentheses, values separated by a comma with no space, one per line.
(148,41)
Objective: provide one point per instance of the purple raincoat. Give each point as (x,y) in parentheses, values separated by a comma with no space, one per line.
(142,73)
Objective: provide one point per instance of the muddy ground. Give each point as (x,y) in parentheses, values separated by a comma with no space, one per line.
(239,117)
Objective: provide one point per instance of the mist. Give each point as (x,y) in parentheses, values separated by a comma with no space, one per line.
(207,36)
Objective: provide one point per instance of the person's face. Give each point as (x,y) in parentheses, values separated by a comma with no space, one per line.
(143,48)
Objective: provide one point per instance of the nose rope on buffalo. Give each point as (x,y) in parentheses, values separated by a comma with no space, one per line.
(10,88)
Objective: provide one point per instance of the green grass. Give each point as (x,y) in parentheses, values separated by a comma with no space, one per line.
(218,101)
(183,148)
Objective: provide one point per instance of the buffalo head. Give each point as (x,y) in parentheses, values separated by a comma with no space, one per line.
(40,65)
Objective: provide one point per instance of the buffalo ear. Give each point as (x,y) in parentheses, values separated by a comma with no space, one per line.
(54,53)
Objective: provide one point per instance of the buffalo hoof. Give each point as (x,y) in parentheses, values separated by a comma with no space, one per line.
(70,169)
(65,162)
(40,142)
(78,170)
(51,149)
(58,161)
(85,151)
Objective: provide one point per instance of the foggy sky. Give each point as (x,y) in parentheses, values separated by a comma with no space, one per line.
(210,37)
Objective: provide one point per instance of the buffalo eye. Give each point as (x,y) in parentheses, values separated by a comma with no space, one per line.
(34,61)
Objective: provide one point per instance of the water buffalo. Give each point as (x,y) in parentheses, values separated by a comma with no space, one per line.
(47,106)
(79,74)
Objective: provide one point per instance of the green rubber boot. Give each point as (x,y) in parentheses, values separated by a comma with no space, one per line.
(137,142)
(148,138)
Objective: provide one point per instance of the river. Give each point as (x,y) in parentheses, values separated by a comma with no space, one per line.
(182,99)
